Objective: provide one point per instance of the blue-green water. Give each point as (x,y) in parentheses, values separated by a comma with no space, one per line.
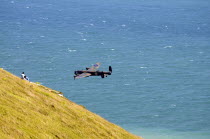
(159,51)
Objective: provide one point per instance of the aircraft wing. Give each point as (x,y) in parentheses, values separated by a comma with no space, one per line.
(82,75)
(94,67)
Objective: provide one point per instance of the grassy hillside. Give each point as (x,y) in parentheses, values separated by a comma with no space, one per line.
(28,110)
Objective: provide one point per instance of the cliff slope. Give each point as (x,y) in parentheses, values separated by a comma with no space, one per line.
(29,110)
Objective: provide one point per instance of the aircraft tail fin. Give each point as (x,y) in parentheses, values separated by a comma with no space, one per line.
(110,69)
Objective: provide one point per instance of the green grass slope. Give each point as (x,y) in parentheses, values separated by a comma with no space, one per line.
(28,110)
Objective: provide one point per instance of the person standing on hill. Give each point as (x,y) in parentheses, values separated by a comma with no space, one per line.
(24,77)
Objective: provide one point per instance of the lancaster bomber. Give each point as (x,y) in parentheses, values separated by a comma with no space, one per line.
(92,71)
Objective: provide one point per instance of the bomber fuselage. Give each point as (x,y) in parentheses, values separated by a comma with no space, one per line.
(93,73)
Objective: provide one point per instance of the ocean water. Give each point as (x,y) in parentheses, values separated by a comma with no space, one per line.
(159,52)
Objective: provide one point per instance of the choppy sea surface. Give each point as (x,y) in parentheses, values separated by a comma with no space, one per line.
(159,52)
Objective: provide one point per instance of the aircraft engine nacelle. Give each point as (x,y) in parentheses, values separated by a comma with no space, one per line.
(102,75)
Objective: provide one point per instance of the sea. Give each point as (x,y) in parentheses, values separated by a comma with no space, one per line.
(159,51)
